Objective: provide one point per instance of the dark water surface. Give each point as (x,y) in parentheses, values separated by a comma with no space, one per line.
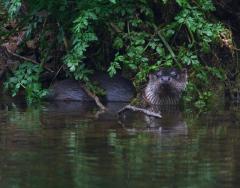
(63,145)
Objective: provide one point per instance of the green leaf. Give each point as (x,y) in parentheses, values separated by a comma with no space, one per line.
(113,1)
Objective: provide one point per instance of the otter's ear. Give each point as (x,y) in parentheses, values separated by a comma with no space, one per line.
(184,74)
(152,76)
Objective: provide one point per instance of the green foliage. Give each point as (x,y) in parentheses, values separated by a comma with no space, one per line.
(26,77)
(200,30)
(82,36)
(129,37)
(13,7)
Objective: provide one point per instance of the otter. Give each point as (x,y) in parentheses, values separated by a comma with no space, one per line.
(163,90)
(117,89)
(165,86)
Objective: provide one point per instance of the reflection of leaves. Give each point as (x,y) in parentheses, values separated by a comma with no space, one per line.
(29,119)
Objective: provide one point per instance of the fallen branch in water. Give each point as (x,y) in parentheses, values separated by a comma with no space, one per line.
(95,97)
(137,109)
(99,112)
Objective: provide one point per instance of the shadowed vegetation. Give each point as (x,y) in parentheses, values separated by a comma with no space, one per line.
(55,39)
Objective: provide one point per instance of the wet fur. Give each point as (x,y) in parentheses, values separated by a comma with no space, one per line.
(165,87)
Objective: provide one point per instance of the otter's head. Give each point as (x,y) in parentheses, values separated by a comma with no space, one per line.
(165,86)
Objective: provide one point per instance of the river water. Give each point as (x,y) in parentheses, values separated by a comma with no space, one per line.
(60,145)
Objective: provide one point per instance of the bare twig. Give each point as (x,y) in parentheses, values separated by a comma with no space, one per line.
(168,47)
(27,59)
(92,95)
(136,109)
(65,40)
(116,28)
(55,76)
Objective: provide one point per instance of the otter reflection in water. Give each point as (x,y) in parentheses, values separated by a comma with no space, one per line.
(171,123)
(76,115)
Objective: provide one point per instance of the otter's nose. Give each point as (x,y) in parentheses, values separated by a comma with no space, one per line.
(165,78)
